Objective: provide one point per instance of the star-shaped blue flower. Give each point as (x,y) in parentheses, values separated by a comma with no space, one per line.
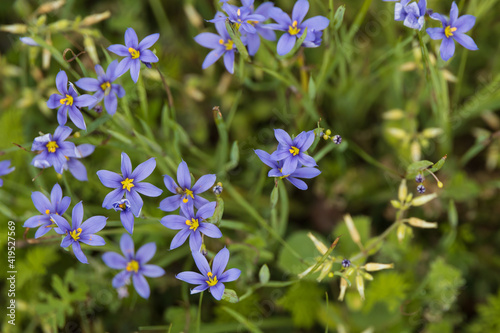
(68,102)
(133,265)
(191,225)
(55,205)
(76,167)
(104,86)
(292,152)
(453,29)
(134,53)
(80,232)
(4,169)
(411,13)
(210,278)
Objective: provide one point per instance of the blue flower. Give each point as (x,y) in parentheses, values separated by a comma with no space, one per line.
(76,167)
(453,29)
(294,27)
(411,13)
(126,215)
(213,278)
(185,194)
(133,265)
(191,224)
(69,102)
(104,87)
(301,172)
(130,184)
(135,53)
(28,41)
(4,169)
(56,205)
(221,45)
(80,232)
(292,152)
(53,150)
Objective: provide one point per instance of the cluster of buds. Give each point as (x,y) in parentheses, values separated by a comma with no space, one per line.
(337,139)
(361,275)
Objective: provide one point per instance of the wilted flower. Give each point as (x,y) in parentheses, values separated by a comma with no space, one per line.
(210,278)
(69,102)
(130,184)
(133,265)
(453,29)
(135,53)
(294,27)
(53,150)
(80,232)
(76,167)
(191,225)
(4,169)
(292,152)
(104,87)
(56,205)
(185,195)
(126,215)
(220,44)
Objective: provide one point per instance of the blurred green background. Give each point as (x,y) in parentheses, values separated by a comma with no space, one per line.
(367,82)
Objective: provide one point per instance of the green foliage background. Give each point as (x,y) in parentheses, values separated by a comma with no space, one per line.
(444,280)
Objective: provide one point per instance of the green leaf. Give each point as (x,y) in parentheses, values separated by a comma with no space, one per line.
(235,37)
(443,285)
(264,274)
(416,167)
(304,247)
(230,296)
(389,288)
(439,164)
(303,300)
(312,88)
(274,196)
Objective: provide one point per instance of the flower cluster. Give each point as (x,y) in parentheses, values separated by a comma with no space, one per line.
(250,24)
(290,160)
(413,16)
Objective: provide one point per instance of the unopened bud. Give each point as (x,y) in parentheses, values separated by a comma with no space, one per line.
(95,18)
(19,29)
(360,284)
(416,222)
(319,246)
(217,189)
(50,6)
(395,204)
(349,271)
(372,266)
(423,199)
(328,132)
(368,276)
(76,135)
(432,132)
(397,133)
(401,232)
(352,229)
(343,287)
(403,191)
(440,184)
(394,114)
(415,151)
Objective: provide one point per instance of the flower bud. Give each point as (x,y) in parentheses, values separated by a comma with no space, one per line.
(432,132)
(415,150)
(397,133)
(360,284)
(343,287)
(368,276)
(396,204)
(95,18)
(394,114)
(416,222)
(349,271)
(403,191)
(337,139)
(352,229)
(372,266)
(423,199)
(19,29)
(319,246)
(217,189)
(401,232)
(346,263)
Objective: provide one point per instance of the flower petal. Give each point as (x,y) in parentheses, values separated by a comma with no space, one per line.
(61,223)
(201,262)
(94,240)
(76,117)
(174,222)
(148,41)
(183,175)
(453,13)
(300,184)
(131,38)
(148,56)
(62,82)
(220,262)
(300,10)
(127,219)
(120,279)
(41,231)
(208,40)
(67,241)
(465,41)
(114,260)
(77,215)
(141,285)
(289,165)
(94,224)
(41,202)
(211,58)
(127,246)
(283,137)
(126,166)
(170,183)
(179,238)
(119,49)
(77,250)
(229,61)
(306,160)
(210,230)
(465,23)
(195,241)
(306,172)
(135,68)
(143,170)
(171,203)
(89,84)
(152,271)
(435,33)
(112,197)
(145,253)
(204,183)
(316,23)
(36,221)
(206,211)
(77,169)
(54,101)
(111,103)
(191,277)
(230,275)
(110,179)
(136,202)
(218,290)
(447,48)
(148,189)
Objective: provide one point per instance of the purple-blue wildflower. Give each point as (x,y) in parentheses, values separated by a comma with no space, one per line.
(69,102)
(412,14)
(55,205)
(300,172)
(421,188)
(4,169)
(133,265)
(213,278)
(453,29)
(134,53)
(191,225)
(53,150)
(104,87)
(76,167)
(221,45)
(28,41)
(185,194)
(129,183)
(80,232)
(294,27)
(292,152)
(126,215)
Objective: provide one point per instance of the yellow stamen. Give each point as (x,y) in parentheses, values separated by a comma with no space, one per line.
(52,146)
(294,151)
(122,206)
(193,224)
(293,30)
(284,176)
(47,211)
(68,100)
(229,44)
(132,266)
(238,12)
(134,53)
(76,233)
(252,22)
(188,193)
(106,87)
(448,31)
(212,279)
(127,184)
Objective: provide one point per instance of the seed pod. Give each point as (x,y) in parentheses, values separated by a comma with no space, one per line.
(360,284)
(352,229)
(416,222)
(372,266)
(403,190)
(423,199)
(343,287)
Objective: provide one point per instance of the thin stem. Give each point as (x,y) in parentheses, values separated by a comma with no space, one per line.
(198,318)
(361,153)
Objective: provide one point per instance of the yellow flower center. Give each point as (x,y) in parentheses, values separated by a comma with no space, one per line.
(228,45)
(133,266)
(212,279)
(193,224)
(293,30)
(134,53)
(284,176)
(47,211)
(448,31)
(127,184)
(52,146)
(76,233)
(294,150)
(189,193)
(106,87)
(123,206)
(252,22)
(68,100)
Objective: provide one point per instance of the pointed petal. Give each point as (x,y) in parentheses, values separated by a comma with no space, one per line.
(465,41)
(179,238)
(306,160)
(77,215)
(127,219)
(77,250)
(465,23)
(148,56)
(131,38)
(206,211)
(127,246)
(195,241)
(152,271)
(77,169)
(300,184)
(191,277)
(145,253)
(289,165)
(201,262)
(300,10)
(41,231)
(41,202)
(210,230)
(230,275)
(316,23)
(54,101)
(229,61)
(94,224)
(36,221)
(119,49)
(61,223)
(143,170)
(435,33)
(141,285)
(76,117)
(126,166)
(218,290)
(94,240)
(447,48)
(283,137)
(183,175)
(135,68)
(111,103)
(87,83)
(211,58)
(220,262)
(110,179)
(148,41)
(174,222)
(306,172)
(170,183)
(62,82)
(171,203)
(113,197)
(136,202)
(204,183)
(120,279)
(114,260)
(148,189)
(208,40)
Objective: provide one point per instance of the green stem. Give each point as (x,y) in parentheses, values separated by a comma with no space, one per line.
(198,318)
(361,153)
